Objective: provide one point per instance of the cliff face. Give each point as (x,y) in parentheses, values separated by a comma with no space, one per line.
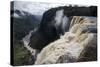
(55,22)
(78,44)
(66,34)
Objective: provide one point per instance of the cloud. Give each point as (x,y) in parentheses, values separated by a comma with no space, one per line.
(36,8)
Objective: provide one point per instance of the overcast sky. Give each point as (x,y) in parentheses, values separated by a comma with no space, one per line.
(36,8)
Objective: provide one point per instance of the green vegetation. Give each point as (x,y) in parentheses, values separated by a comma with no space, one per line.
(21,55)
(21,27)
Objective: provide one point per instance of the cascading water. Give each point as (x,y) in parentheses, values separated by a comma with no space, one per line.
(69,47)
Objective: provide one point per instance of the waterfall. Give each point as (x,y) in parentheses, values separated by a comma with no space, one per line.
(69,47)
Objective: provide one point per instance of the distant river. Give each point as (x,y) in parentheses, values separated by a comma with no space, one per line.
(26,41)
